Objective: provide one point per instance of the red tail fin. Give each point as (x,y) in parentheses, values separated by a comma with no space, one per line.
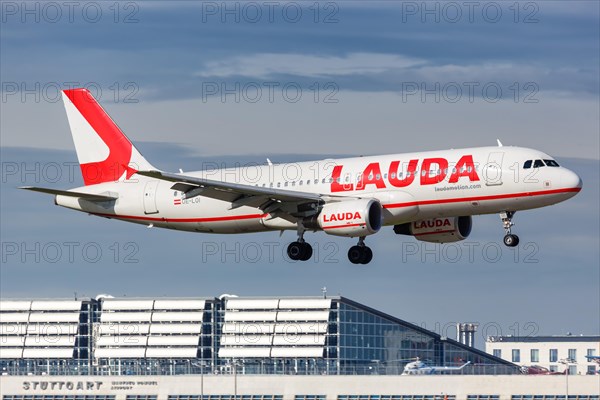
(105,154)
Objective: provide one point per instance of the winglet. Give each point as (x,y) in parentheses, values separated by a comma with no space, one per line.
(499,142)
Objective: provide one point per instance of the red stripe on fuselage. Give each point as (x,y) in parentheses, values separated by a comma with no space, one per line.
(211,219)
(395,205)
(482,198)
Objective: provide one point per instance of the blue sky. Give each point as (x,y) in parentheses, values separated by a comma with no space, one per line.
(375,77)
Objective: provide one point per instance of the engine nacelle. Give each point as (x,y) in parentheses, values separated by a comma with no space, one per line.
(348,218)
(437,230)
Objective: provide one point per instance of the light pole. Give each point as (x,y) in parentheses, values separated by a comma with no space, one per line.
(567,362)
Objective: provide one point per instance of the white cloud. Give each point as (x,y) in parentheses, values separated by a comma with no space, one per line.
(390,71)
(264,65)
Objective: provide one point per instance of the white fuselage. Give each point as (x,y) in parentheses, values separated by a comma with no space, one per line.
(410,187)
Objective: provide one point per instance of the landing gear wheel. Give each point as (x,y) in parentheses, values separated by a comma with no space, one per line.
(299,251)
(511,240)
(367,255)
(307,251)
(360,254)
(355,254)
(295,251)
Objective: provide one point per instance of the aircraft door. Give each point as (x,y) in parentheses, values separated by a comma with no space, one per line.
(150,197)
(492,170)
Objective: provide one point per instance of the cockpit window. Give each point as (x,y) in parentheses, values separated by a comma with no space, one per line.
(551,163)
(527,164)
(538,164)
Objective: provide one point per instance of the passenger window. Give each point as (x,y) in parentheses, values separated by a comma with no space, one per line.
(285,184)
(551,163)
(527,164)
(538,164)
(278,184)
(300,183)
(316,181)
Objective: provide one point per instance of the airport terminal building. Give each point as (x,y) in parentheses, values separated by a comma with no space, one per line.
(269,348)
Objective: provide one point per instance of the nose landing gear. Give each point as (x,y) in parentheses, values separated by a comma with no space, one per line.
(510,239)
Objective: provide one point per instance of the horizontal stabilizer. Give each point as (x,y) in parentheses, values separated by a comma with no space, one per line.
(86,196)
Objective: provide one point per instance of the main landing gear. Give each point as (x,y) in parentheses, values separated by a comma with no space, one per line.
(300,250)
(360,254)
(509,239)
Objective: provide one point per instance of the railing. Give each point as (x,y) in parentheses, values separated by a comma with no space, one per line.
(149,367)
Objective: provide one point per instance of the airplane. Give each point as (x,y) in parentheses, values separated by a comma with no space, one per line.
(431,195)
(419,367)
(539,370)
(595,359)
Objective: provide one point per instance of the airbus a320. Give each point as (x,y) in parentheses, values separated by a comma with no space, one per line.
(429,195)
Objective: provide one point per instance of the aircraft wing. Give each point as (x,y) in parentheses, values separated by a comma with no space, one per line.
(85,196)
(269,200)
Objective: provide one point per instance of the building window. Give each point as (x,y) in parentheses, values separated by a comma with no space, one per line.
(572,354)
(516,355)
(553,356)
(591,370)
(591,352)
(535,355)
(553,368)
(497,353)
(572,369)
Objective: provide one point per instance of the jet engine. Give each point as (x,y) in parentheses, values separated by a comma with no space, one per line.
(348,218)
(437,230)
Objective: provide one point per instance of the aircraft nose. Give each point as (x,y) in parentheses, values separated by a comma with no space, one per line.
(571,180)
